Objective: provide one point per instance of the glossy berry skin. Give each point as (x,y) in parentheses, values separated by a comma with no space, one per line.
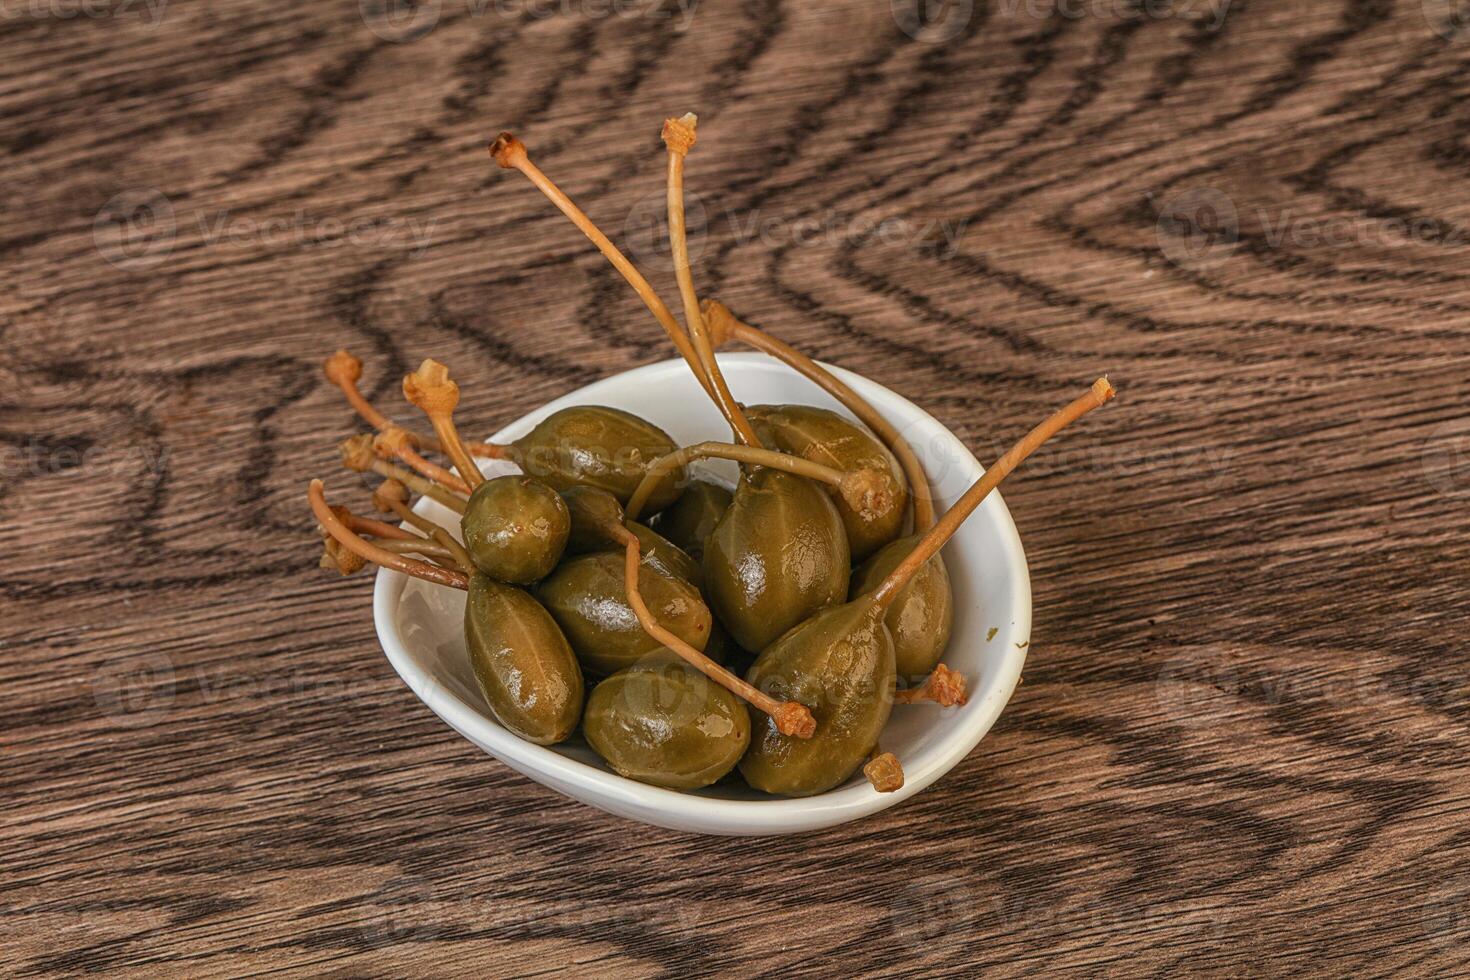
(778,554)
(523,663)
(595,512)
(597,446)
(832,440)
(689,521)
(921,616)
(515,529)
(662,722)
(839,663)
(587,598)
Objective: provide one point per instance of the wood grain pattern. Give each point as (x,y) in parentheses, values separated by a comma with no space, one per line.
(1241,744)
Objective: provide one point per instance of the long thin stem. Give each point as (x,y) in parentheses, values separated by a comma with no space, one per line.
(1100,393)
(791,717)
(391,537)
(394,442)
(368,525)
(856,486)
(457,452)
(358,456)
(344,370)
(678,136)
(419,485)
(417,546)
(378,556)
(511,154)
(433,530)
(431,391)
(723,323)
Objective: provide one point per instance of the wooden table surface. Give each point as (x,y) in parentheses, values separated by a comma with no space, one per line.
(1241,743)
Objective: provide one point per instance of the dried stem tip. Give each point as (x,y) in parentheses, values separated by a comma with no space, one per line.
(678,133)
(430,390)
(357,453)
(392,442)
(329,521)
(396,443)
(508,151)
(338,557)
(342,369)
(866,491)
(389,493)
(795,719)
(885,773)
(944,687)
(947,687)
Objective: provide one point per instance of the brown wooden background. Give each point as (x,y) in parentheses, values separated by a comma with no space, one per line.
(1241,744)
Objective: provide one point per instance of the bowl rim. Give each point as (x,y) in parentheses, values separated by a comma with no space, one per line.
(775,815)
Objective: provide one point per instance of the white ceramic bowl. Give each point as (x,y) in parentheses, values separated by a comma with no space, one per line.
(420,625)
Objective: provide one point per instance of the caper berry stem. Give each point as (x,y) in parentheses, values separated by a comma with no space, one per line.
(363,548)
(678,136)
(724,324)
(393,443)
(856,486)
(417,546)
(358,455)
(418,485)
(368,525)
(431,390)
(944,687)
(511,154)
(389,537)
(393,498)
(344,370)
(1099,394)
(791,717)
